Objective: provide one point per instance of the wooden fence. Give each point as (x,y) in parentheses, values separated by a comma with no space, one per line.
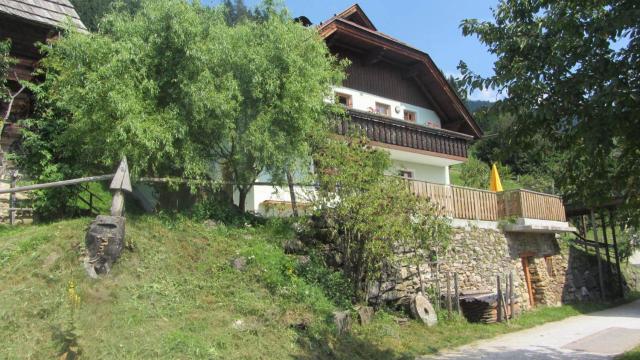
(468,203)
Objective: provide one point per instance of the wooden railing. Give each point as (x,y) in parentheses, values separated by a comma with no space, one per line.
(532,205)
(468,203)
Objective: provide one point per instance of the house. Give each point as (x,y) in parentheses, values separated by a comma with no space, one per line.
(26,23)
(397,95)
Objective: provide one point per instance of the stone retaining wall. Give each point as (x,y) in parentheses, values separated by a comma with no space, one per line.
(479,255)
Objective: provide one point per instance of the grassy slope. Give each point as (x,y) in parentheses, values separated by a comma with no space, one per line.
(630,355)
(175,296)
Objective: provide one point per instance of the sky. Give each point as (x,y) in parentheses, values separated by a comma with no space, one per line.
(429,25)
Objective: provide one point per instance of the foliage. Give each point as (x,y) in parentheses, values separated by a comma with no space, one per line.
(6,62)
(214,208)
(571,73)
(177,90)
(369,215)
(474,173)
(236,11)
(458,86)
(92,11)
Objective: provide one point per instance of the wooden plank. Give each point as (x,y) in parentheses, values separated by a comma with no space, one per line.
(57,184)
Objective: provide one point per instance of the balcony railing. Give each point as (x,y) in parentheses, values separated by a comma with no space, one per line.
(384,129)
(476,204)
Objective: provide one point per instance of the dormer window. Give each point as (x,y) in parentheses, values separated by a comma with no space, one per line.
(383,109)
(410,116)
(344,99)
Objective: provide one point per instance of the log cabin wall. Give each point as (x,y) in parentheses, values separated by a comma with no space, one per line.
(24,36)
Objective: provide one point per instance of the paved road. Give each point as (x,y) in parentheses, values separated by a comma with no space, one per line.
(596,336)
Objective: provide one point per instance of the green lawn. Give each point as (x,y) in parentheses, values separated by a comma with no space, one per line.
(630,355)
(175,296)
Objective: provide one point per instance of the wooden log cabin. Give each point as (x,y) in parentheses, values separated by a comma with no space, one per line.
(26,23)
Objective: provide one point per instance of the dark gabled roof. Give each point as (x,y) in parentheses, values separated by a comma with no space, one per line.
(355,14)
(354,26)
(51,13)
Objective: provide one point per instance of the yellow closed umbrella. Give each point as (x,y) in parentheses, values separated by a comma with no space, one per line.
(495,184)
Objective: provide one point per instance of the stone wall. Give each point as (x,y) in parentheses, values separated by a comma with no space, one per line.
(478,255)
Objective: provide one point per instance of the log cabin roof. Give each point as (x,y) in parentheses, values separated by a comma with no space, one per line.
(352,29)
(51,13)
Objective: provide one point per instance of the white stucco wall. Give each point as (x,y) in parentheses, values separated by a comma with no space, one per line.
(367,102)
(260,193)
(423,172)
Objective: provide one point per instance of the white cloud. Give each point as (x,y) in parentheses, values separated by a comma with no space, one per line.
(486,95)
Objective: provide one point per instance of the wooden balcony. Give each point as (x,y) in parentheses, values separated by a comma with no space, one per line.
(476,204)
(384,129)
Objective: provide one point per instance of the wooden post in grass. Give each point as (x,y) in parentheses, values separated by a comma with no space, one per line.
(106,236)
(512,297)
(594,226)
(457,292)
(449,293)
(499,304)
(612,222)
(12,198)
(606,242)
(121,182)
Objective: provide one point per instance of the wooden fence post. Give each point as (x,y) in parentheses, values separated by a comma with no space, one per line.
(594,226)
(457,292)
(449,293)
(615,252)
(499,303)
(512,297)
(12,198)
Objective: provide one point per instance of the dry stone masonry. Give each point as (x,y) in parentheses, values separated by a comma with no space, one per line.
(478,255)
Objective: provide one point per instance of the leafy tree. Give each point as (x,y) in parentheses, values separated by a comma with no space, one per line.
(474,173)
(375,216)
(92,11)
(458,87)
(177,90)
(5,64)
(236,11)
(570,69)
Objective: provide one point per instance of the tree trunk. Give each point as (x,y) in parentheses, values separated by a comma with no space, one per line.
(242,197)
(292,193)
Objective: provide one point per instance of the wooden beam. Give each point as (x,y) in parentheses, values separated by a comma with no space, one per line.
(57,184)
(412,71)
(374,57)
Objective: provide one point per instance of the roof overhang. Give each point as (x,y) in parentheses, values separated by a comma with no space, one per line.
(417,65)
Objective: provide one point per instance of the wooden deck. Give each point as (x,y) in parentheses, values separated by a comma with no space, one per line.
(476,204)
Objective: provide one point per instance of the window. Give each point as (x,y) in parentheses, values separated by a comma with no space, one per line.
(410,116)
(548,260)
(344,99)
(405,174)
(383,109)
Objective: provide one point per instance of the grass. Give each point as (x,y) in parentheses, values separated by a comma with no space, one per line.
(175,296)
(630,355)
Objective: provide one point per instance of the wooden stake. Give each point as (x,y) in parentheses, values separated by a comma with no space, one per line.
(597,246)
(449,293)
(12,198)
(457,292)
(512,297)
(499,305)
(615,252)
